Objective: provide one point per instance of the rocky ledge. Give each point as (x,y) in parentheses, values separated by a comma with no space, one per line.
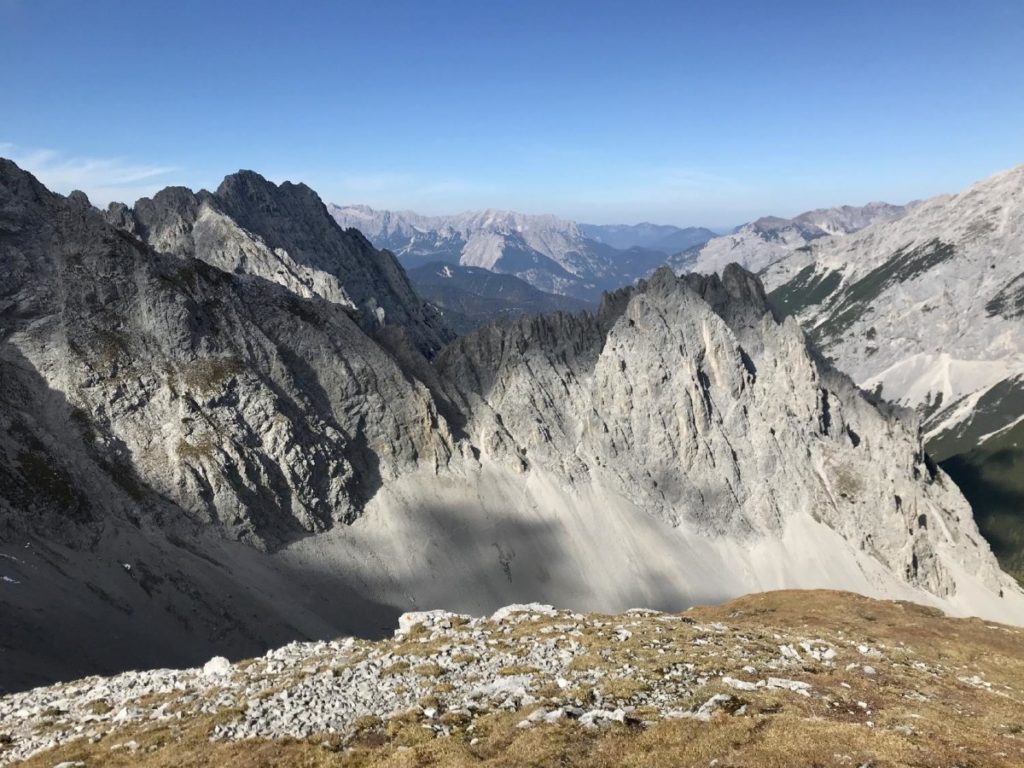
(829,677)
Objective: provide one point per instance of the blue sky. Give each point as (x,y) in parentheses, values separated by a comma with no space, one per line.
(679,112)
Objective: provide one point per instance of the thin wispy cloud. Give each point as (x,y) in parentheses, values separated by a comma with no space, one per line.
(103,179)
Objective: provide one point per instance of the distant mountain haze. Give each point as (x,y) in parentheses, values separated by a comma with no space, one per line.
(471,297)
(552,254)
(762,242)
(665,238)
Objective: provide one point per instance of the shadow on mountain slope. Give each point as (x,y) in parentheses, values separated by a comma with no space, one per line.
(136,582)
(88,587)
(137,597)
(991,476)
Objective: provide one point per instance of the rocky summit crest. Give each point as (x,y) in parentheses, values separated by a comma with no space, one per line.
(284,234)
(226,424)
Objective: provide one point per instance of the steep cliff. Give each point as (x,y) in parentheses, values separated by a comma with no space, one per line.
(198,460)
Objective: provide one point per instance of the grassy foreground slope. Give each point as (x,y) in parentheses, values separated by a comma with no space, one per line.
(794,678)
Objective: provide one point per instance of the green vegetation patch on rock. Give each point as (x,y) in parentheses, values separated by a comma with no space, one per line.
(807,289)
(1009,301)
(850,304)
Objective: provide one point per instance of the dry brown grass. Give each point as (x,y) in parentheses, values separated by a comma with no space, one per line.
(767,741)
(921,716)
(208,375)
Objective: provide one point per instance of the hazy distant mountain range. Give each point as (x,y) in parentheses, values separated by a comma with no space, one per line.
(768,239)
(552,254)
(665,238)
(583,260)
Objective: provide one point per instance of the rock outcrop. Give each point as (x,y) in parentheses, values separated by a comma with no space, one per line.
(284,234)
(199,460)
(242,403)
(534,685)
(926,310)
(689,397)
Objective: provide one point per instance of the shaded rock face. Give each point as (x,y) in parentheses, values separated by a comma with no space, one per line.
(157,408)
(284,234)
(241,403)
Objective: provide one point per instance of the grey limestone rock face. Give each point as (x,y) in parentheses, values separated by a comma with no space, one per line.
(173,383)
(246,406)
(284,234)
(688,395)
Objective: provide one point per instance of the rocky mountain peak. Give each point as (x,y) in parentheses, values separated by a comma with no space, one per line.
(735,285)
(284,233)
(18,190)
(769,239)
(253,200)
(219,438)
(79,199)
(710,362)
(165,220)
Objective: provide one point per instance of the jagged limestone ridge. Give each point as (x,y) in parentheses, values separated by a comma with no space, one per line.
(284,234)
(152,400)
(243,404)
